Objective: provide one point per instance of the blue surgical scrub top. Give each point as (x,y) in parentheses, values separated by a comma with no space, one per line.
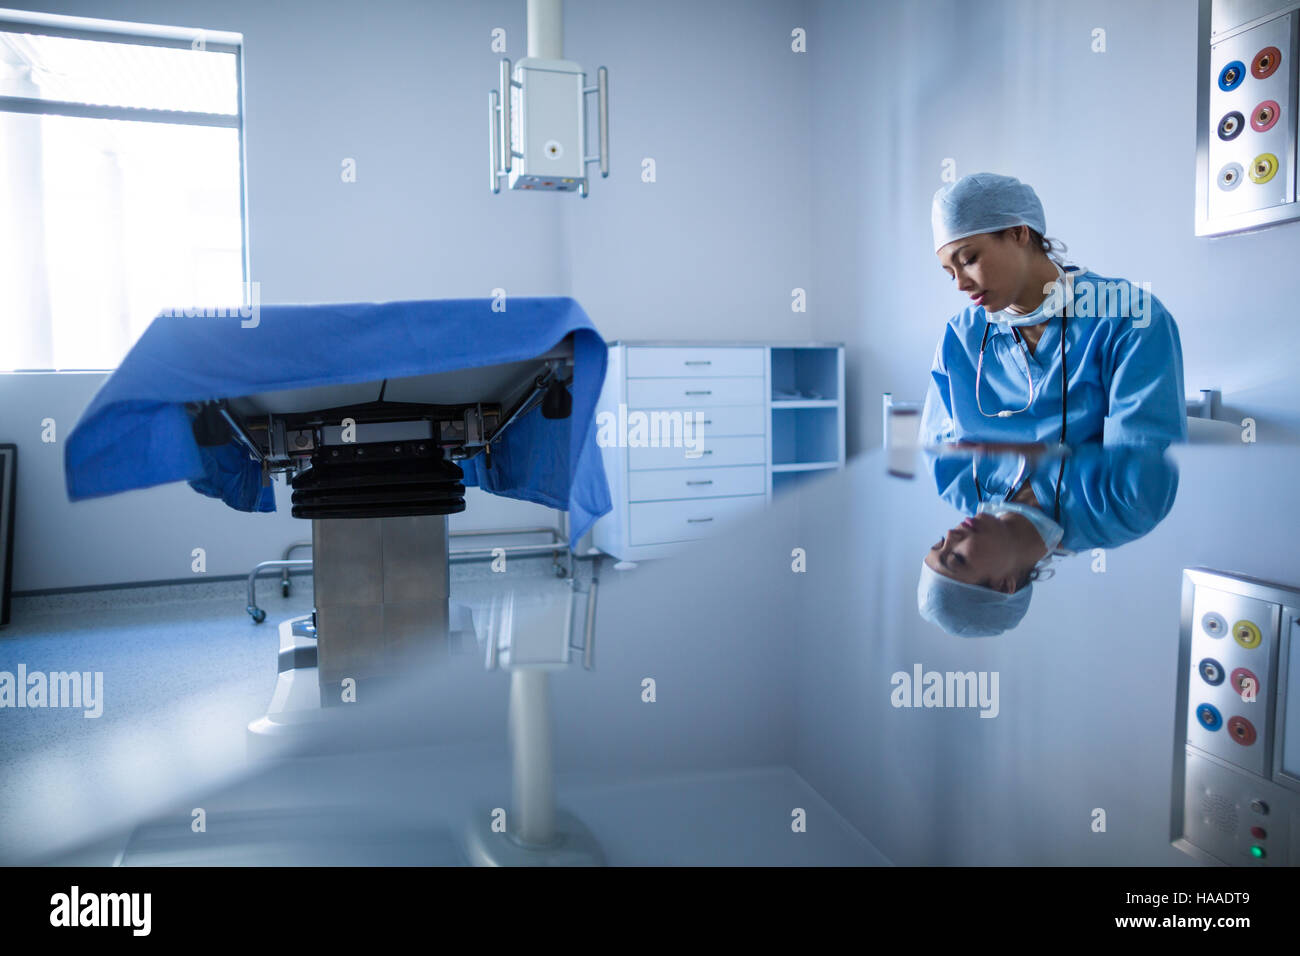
(1109,496)
(1123,367)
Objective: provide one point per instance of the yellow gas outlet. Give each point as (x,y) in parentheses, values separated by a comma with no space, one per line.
(1247,634)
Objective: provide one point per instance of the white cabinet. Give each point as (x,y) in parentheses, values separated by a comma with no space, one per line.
(694,436)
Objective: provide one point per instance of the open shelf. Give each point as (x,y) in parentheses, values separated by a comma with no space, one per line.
(805,374)
(807,466)
(783,481)
(805,436)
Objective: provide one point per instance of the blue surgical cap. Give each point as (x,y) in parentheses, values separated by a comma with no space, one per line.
(968,610)
(983,202)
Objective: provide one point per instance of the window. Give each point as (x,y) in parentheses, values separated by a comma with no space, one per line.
(121,184)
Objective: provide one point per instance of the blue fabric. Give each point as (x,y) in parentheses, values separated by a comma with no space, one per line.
(226,475)
(1109,496)
(1124,374)
(983,202)
(961,609)
(136,432)
(968,610)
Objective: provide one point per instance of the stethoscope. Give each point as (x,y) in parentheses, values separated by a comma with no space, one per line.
(979,369)
(1017,484)
(1007,413)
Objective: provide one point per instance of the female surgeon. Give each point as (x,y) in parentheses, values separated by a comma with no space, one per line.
(978,580)
(1043,353)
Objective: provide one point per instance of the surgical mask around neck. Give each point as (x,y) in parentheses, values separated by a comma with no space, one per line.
(1047,529)
(1050,307)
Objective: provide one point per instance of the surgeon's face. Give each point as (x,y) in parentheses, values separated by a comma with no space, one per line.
(994,270)
(982,550)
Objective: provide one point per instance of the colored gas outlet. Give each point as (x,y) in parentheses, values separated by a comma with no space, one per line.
(1263,168)
(1214,624)
(1209,716)
(1247,634)
(1231,125)
(1241,730)
(1264,116)
(1211,671)
(1265,63)
(1230,177)
(1245,683)
(1231,75)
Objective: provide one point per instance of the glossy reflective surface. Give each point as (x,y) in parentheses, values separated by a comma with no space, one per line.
(777,677)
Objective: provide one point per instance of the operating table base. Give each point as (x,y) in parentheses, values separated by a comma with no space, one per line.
(536,833)
(289,725)
(573,845)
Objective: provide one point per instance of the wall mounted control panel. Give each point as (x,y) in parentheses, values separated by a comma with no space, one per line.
(1236,787)
(1246,115)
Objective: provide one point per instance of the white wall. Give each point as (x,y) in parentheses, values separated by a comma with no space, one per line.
(1108,140)
(709,250)
(1088,680)
(775,170)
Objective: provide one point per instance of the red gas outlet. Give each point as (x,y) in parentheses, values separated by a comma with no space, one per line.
(1241,730)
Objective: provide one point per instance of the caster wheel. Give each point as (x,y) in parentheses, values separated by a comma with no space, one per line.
(257,614)
(285,588)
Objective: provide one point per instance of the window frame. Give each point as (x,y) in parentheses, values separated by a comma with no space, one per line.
(146,34)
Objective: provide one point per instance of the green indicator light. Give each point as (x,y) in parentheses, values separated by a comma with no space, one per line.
(1257,852)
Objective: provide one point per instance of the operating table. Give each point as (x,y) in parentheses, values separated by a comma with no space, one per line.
(379,416)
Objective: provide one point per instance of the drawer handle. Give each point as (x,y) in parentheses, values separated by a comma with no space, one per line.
(709,482)
(700,391)
(708,421)
(695,520)
(699,362)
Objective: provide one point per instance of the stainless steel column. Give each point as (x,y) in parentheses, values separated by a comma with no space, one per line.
(382,590)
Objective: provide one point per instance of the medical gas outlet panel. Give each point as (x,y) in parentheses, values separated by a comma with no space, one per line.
(1246,115)
(1236,788)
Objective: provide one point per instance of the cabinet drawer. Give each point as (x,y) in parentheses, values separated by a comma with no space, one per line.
(734,420)
(749,450)
(693,393)
(659,522)
(666,363)
(722,420)
(696,483)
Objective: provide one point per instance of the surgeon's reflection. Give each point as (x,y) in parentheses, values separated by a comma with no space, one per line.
(1024,510)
